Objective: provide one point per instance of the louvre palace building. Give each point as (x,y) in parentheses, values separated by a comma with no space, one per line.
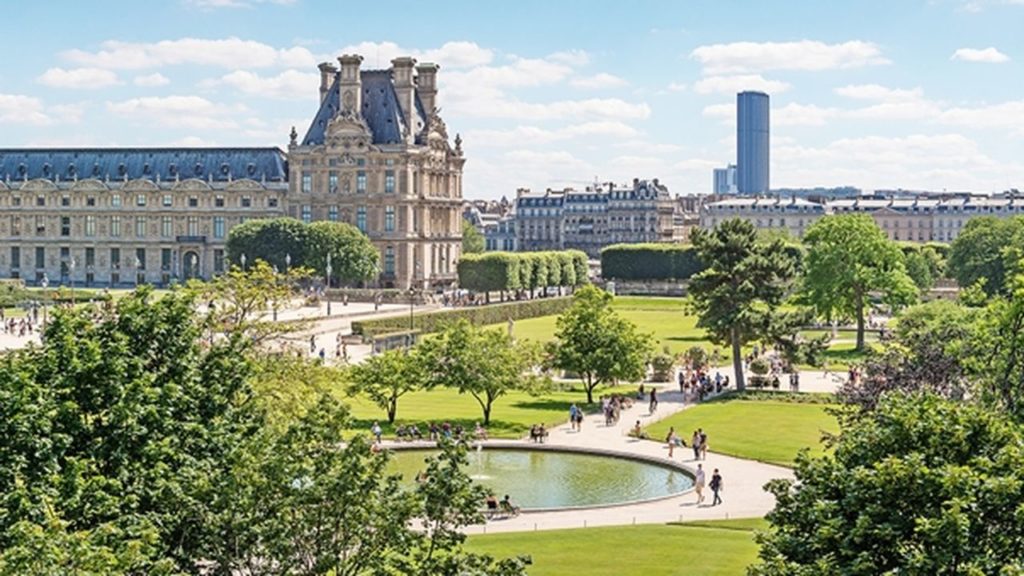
(376,155)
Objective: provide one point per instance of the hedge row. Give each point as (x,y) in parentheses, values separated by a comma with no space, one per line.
(12,295)
(510,271)
(649,262)
(480,315)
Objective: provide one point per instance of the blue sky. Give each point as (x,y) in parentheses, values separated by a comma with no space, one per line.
(552,93)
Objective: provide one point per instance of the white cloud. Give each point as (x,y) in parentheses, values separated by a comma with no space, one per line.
(151,80)
(740,57)
(599,81)
(19,109)
(230,52)
(738,83)
(676,87)
(78,78)
(459,54)
(877,92)
(575,58)
(68,113)
(724,111)
(286,85)
(559,109)
(535,135)
(178,111)
(794,114)
(1004,115)
(987,55)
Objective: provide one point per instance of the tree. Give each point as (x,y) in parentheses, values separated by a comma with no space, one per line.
(596,343)
(998,351)
(276,241)
(386,377)
(919,270)
(353,256)
(919,486)
(486,364)
(848,259)
(742,286)
(978,251)
(472,240)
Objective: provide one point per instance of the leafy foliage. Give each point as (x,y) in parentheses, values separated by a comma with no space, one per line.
(738,294)
(919,486)
(848,259)
(353,256)
(477,315)
(511,271)
(272,240)
(472,240)
(486,364)
(979,251)
(596,343)
(649,261)
(386,377)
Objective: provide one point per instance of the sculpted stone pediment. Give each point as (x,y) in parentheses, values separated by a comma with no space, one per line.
(89,185)
(4,186)
(141,185)
(191,184)
(244,184)
(348,130)
(38,185)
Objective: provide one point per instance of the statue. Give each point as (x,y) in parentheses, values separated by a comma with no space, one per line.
(293,137)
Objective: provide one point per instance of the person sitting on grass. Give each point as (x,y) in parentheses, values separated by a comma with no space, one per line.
(638,432)
(480,432)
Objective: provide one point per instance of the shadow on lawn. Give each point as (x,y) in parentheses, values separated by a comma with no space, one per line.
(496,429)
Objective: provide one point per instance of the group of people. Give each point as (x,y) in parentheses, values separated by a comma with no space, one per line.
(538,433)
(696,383)
(575,418)
(612,406)
(19,327)
(716,485)
(340,348)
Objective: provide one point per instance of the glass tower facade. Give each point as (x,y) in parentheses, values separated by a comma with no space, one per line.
(752,142)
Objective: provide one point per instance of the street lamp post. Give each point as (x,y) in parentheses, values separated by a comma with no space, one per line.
(138,270)
(71,279)
(277,279)
(412,303)
(328,292)
(45,282)
(243,262)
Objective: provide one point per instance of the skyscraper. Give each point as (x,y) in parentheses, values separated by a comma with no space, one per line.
(724,180)
(752,142)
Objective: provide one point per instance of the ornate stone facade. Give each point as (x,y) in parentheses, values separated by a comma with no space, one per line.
(377,155)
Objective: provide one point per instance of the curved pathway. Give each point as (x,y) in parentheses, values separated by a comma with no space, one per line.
(743,495)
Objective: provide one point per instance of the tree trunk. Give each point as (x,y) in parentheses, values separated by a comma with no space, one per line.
(487,413)
(737,361)
(860,320)
(392,409)
(590,391)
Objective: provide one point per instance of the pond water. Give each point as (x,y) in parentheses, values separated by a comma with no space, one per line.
(549,479)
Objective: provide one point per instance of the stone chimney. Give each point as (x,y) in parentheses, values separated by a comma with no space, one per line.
(426,85)
(351,84)
(401,73)
(327,72)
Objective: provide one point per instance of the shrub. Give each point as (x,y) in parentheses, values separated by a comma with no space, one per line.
(662,365)
(649,262)
(479,315)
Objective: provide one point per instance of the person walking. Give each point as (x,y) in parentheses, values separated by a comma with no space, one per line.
(671,439)
(654,401)
(695,444)
(698,483)
(377,431)
(716,487)
(703,444)
(573,413)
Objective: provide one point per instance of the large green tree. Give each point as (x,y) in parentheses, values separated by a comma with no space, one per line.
(979,251)
(998,358)
(353,256)
(276,241)
(472,240)
(849,259)
(920,485)
(486,364)
(386,377)
(596,343)
(737,295)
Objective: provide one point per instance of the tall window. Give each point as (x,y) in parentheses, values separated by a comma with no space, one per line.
(166,227)
(115,226)
(218,201)
(193,225)
(389,181)
(169,201)
(140,258)
(332,182)
(15,225)
(218,226)
(389,218)
(218,261)
(361,182)
(115,200)
(65,226)
(389,260)
(140,226)
(115,258)
(307,182)
(140,200)
(332,213)
(165,259)
(90,257)
(40,257)
(15,256)
(90,225)
(307,213)
(361,218)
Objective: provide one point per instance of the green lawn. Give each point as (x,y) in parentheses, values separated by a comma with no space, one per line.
(765,430)
(692,549)
(511,416)
(666,319)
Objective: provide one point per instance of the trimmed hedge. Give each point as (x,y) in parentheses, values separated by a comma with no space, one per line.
(511,271)
(649,262)
(478,315)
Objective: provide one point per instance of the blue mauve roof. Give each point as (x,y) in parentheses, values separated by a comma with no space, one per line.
(144,163)
(380,110)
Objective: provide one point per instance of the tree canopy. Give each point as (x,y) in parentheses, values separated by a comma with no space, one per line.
(920,485)
(472,240)
(386,377)
(596,343)
(737,295)
(980,252)
(353,256)
(849,258)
